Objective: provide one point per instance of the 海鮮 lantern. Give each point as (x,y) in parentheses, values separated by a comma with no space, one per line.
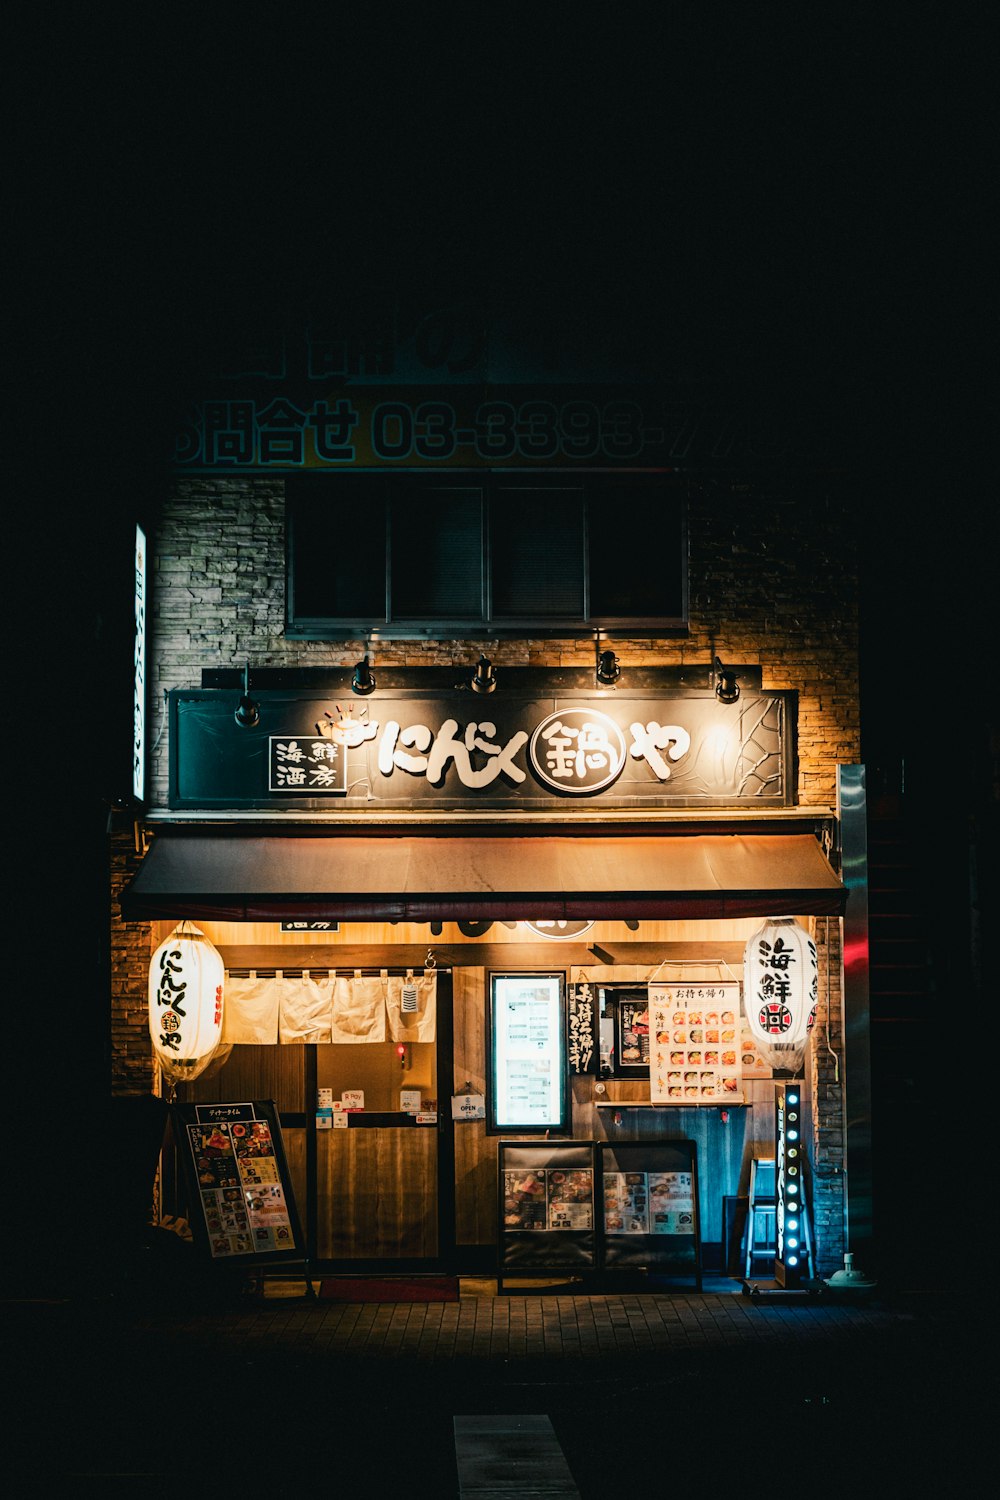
(186,977)
(780,989)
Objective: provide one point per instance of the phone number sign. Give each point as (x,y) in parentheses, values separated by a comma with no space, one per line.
(402,428)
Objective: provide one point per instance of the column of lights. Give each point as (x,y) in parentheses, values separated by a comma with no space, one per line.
(791,1258)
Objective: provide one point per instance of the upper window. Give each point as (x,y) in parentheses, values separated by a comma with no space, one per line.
(417,554)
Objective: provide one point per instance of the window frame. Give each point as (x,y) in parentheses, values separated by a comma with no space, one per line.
(332,627)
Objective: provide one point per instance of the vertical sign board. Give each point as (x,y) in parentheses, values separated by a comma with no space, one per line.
(243,1209)
(650,1206)
(139,672)
(582,1051)
(546,1209)
(791,1260)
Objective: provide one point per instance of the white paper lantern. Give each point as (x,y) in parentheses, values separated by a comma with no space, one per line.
(186,980)
(780,989)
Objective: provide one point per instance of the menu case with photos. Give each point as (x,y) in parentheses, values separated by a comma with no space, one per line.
(648,1203)
(549,1198)
(695,1044)
(234,1161)
(650,1206)
(547,1205)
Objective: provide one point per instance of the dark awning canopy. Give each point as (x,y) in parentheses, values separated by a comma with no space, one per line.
(239,877)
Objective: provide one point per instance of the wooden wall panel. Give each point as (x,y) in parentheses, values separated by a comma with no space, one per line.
(294,1141)
(475,1151)
(724,1149)
(376,1193)
(276,1073)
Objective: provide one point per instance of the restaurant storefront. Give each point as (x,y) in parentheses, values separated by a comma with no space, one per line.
(483,876)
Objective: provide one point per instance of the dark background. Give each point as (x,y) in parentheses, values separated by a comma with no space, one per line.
(798,207)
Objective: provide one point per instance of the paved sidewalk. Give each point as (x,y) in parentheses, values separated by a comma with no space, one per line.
(160,1395)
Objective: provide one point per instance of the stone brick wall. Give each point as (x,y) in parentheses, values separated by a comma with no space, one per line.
(132,1067)
(773,582)
(825,1064)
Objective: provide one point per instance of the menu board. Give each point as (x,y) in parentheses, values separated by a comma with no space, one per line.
(649,1209)
(528,1065)
(648,1203)
(547,1205)
(695,1044)
(242,1202)
(549,1198)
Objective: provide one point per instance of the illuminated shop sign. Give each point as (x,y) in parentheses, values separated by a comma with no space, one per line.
(139,672)
(791,1263)
(518,753)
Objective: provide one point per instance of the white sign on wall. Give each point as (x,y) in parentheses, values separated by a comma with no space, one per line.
(139,672)
(529,1052)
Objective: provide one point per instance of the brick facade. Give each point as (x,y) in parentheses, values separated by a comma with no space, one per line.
(773,583)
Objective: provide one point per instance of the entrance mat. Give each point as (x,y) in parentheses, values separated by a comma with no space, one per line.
(389,1289)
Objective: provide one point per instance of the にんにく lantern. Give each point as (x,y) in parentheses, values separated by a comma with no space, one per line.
(780,989)
(186,979)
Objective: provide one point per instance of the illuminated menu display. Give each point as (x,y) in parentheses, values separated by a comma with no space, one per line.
(528,1053)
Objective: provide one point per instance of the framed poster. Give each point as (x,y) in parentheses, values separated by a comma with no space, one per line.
(547,1208)
(527,1091)
(242,1206)
(623,1030)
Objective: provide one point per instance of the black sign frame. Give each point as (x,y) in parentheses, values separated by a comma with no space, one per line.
(527,1127)
(542,1252)
(667,1254)
(389,764)
(245,1113)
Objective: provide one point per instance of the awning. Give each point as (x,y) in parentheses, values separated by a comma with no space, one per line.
(256,877)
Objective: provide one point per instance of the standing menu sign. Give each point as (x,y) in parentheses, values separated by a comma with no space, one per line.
(243,1208)
(650,1206)
(547,1206)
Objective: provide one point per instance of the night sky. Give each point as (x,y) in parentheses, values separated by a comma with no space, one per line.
(795,208)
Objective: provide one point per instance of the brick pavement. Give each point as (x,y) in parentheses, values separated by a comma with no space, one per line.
(365,1395)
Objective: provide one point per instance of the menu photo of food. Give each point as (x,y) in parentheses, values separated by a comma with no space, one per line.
(648,1203)
(751,1062)
(626,1203)
(571,1198)
(242,1198)
(671,1203)
(633,1032)
(524,1200)
(269,1217)
(695,1049)
(549,1198)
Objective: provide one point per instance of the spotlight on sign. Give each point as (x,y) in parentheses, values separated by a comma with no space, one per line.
(247,710)
(363,681)
(484,677)
(608,668)
(727,683)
